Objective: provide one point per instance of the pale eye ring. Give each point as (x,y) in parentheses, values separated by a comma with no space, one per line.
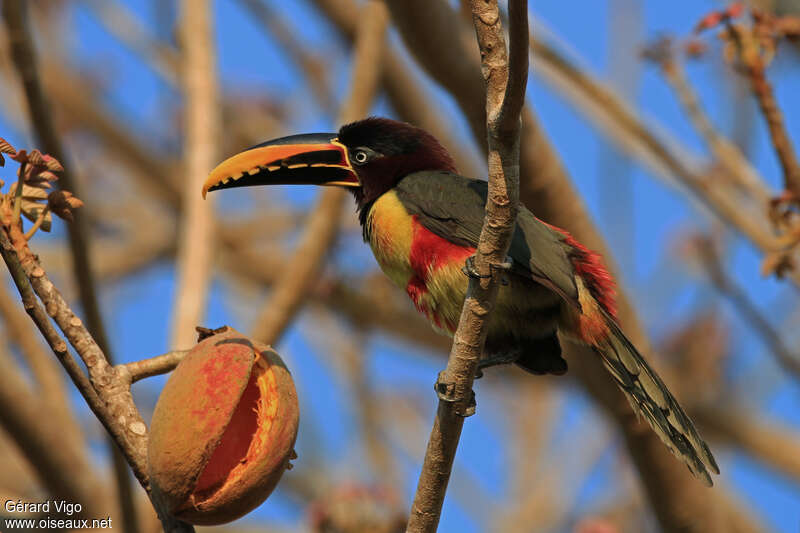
(360,157)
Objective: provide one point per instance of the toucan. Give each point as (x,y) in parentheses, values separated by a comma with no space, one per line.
(423,220)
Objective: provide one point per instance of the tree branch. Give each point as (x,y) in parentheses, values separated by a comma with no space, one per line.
(711,261)
(153,366)
(23,53)
(505,96)
(408,97)
(323,224)
(202,124)
(106,392)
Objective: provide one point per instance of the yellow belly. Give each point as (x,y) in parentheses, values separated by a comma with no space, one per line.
(391,233)
(437,288)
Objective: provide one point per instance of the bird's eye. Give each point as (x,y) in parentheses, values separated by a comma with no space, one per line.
(361,157)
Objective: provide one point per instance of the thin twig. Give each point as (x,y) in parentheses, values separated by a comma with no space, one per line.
(745,306)
(755,69)
(38,224)
(506,79)
(323,224)
(18,193)
(153,366)
(663,154)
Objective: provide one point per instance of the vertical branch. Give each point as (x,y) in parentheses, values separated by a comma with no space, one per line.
(196,233)
(506,79)
(323,224)
(24,55)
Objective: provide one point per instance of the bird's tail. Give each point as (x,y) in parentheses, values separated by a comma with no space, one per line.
(651,399)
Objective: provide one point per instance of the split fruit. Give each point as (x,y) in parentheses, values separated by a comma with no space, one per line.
(223,430)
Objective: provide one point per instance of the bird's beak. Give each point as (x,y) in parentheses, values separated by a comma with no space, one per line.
(310,159)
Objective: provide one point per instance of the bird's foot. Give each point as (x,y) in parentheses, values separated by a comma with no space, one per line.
(471,271)
(496,360)
(446,391)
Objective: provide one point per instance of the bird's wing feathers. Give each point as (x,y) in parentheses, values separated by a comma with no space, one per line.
(452,207)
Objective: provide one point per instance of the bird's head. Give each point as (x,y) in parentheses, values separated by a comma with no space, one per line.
(369,157)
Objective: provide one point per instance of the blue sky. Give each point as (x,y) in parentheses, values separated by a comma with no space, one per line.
(249,60)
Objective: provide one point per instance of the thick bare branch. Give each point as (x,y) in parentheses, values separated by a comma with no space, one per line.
(202,124)
(408,97)
(505,96)
(323,225)
(767,442)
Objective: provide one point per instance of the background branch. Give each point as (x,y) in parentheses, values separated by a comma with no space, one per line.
(322,228)
(197,239)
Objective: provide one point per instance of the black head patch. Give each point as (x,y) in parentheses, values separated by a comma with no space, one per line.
(385,136)
(397,149)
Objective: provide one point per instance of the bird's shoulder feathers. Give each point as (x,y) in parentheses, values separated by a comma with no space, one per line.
(452,207)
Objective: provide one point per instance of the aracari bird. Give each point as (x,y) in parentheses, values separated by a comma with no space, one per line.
(422,221)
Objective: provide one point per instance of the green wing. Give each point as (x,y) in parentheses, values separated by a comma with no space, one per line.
(452,207)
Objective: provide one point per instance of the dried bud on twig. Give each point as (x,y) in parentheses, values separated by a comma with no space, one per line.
(33,203)
(659,51)
(5,148)
(715,18)
(62,203)
(695,48)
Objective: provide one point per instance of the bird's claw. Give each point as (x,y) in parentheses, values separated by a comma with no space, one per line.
(471,271)
(446,391)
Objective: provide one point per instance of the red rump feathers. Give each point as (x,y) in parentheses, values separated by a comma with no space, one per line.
(590,267)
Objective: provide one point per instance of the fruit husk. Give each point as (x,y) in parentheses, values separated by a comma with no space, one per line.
(200,402)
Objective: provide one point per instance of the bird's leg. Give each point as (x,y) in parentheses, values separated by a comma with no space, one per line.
(505,358)
(446,391)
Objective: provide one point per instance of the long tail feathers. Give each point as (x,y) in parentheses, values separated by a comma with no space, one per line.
(651,399)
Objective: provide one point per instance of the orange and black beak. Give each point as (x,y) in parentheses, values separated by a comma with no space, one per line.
(309,159)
